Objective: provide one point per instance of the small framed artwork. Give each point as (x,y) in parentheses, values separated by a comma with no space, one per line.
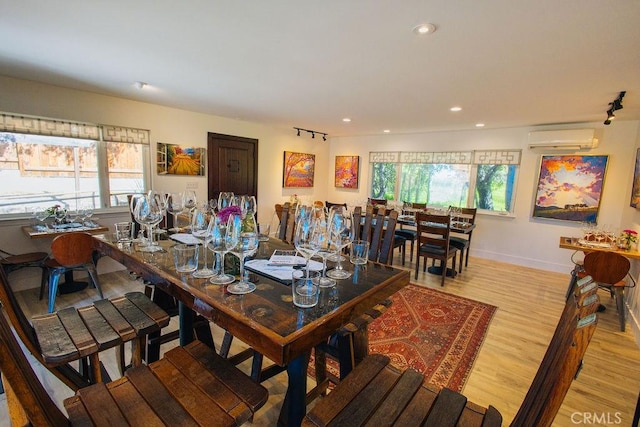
(298,169)
(635,192)
(347,170)
(570,187)
(172,159)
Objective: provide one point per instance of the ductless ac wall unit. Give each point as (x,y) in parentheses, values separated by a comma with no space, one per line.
(565,139)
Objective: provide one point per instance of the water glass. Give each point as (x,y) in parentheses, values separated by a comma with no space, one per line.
(359,252)
(124,232)
(185,258)
(304,288)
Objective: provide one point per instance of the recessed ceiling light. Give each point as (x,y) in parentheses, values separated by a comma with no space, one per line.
(346,120)
(455,109)
(479,125)
(140,85)
(386,131)
(424,29)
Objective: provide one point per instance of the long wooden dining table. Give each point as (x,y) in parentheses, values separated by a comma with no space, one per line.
(265,319)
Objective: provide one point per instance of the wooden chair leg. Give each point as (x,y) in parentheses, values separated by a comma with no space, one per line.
(96,371)
(17,415)
(619,295)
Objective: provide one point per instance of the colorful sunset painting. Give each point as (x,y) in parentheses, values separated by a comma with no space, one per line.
(570,187)
(347,168)
(635,191)
(298,169)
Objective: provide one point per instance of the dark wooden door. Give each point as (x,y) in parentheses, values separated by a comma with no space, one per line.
(232,164)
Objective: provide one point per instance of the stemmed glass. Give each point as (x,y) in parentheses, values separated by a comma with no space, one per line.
(225,199)
(304,238)
(218,244)
(322,235)
(42,215)
(340,224)
(148,212)
(190,201)
(242,238)
(248,205)
(201,225)
(175,205)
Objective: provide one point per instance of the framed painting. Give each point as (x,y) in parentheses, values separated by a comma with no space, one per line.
(635,191)
(298,169)
(570,187)
(347,170)
(172,159)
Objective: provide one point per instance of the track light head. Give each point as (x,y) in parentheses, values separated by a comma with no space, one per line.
(324,136)
(610,115)
(617,104)
(312,132)
(298,131)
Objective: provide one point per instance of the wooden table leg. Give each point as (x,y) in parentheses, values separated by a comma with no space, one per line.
(185,315)
(294,407)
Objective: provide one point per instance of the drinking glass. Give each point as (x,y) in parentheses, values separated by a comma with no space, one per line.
(218,244)
(342,232)
(201,224)
(248,205)
(322,235)
(148,212)
(42,215)
(242,238)
(175,205)
(304,238)
(190,201)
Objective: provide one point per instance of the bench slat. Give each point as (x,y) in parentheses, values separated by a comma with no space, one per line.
(56,345)
(78,331)
(99,328)
(115,319)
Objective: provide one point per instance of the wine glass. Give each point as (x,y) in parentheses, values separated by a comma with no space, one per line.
(242,238)
(201,224)
(175,205)
(42,215)
(341,226)
(322,235)
(225,198)
(304,238)
(248,205)
(218,244)
(190,201)
(148,212)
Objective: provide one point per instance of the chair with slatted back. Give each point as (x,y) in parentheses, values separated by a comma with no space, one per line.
(70,252)
(609,270)
(287,222)
(462,241)
(433,241)
(190,385)
(378,394)
(11,262)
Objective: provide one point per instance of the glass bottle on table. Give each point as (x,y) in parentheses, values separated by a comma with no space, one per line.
(242,241)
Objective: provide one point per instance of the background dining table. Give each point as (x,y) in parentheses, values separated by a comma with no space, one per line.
(265,319)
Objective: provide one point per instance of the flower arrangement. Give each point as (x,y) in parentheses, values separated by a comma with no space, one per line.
(225,213)
(628,237)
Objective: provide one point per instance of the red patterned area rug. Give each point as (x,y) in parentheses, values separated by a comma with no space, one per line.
(435,333)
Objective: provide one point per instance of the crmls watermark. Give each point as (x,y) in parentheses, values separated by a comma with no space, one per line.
(597,418)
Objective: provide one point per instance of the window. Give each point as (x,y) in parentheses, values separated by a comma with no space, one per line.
(484,179)
(45,162)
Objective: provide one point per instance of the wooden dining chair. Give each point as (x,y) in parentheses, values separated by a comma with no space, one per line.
(376,393)
(70,252)
(609,270)
(462,241)
(433,242)
(11,262)
(190,385)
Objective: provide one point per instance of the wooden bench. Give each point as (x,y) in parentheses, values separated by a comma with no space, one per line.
(190,385)
(73,334)
(377,394)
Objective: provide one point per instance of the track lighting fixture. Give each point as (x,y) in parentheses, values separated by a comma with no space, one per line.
(312,132)
(614,106)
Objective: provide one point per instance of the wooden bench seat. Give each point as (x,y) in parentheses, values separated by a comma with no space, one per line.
(376,393)
(72,334)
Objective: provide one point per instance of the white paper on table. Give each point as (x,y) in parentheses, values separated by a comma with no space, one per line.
(278,272)
(185,238)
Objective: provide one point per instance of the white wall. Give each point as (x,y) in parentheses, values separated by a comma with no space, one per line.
(520,239)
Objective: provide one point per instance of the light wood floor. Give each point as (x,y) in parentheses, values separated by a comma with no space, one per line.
(529,303)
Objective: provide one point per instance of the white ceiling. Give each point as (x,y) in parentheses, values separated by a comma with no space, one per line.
(310,63)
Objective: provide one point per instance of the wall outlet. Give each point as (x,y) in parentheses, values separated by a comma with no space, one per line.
(192,185)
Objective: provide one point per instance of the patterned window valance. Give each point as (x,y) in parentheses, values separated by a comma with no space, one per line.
(478,157)
(122,134)
(49,127)
(52,127)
